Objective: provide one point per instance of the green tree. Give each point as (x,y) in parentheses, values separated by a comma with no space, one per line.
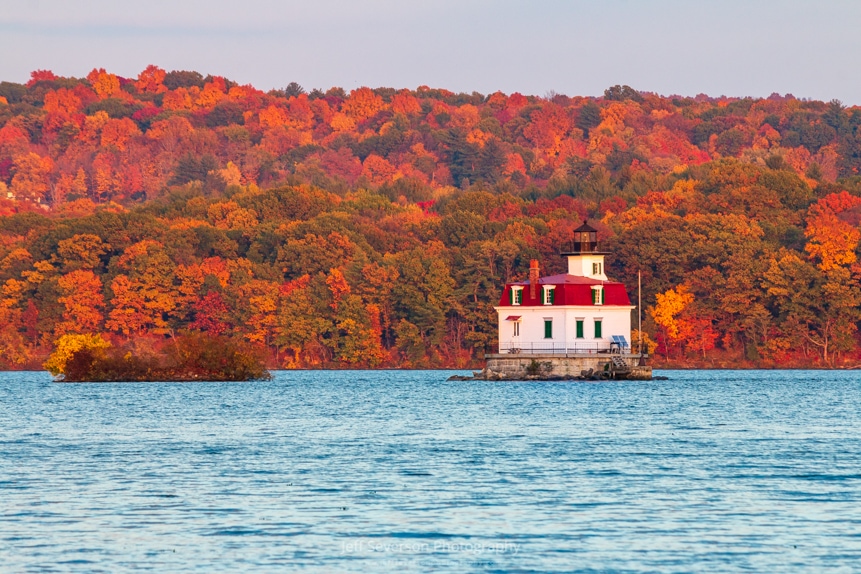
(425,290)
(815,307)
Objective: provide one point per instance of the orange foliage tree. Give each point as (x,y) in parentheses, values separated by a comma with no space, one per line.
(83,303)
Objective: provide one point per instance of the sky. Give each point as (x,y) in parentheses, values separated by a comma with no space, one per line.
(574,47)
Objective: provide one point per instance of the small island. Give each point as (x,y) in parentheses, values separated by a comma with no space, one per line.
(89,358)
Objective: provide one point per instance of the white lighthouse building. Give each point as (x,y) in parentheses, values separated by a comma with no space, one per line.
(579,312)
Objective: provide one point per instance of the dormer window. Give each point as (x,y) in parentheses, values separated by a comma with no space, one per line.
(517,295)
(597,268)
(549,295)
(598,295)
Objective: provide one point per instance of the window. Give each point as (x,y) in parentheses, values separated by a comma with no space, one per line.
(580,328)
(598,328)
(597,295)
(516,296)
(517,328)
(548,328)
(597,269)
(549,295)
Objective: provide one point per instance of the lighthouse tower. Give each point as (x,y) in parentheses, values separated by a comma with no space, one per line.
(584,258)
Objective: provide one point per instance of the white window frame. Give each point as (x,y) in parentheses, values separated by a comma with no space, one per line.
(596,268)
(547,289)
(514,295)
(598,294)
(516,328)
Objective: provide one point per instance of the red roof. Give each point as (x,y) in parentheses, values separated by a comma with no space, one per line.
(570,290)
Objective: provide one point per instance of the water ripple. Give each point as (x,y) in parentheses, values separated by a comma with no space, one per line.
(404,471)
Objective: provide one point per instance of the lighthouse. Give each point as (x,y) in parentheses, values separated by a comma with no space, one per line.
(581,311)
(575,321)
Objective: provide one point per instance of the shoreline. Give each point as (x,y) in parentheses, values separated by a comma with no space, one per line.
(451,369)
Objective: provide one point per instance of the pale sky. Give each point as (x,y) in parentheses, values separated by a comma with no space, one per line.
(574,47)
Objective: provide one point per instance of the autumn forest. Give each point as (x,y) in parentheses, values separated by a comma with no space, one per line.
(376,227)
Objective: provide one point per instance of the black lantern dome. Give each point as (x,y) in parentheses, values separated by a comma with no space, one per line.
(585,241)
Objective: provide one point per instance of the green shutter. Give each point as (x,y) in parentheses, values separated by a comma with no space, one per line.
(548,329)
(552,296)
(579,329)
(598,334)
(602,296)
(594,297)
(511,296)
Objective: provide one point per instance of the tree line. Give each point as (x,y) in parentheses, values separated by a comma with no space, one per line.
(376,228)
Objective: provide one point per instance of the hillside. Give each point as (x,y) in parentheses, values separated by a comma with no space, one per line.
(376,227)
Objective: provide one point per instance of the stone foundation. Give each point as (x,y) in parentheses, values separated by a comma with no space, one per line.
(550,367)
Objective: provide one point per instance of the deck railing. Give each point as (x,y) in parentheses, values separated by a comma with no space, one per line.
(595,347)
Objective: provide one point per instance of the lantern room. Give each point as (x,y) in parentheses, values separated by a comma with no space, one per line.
(585,258)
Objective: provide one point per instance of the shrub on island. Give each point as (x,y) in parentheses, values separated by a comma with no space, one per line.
(190,357)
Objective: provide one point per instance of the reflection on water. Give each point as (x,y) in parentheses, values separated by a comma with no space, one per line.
(403,471)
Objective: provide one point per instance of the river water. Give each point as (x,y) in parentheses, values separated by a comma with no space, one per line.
(402,471)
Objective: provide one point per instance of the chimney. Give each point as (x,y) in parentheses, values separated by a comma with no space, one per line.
(533,278)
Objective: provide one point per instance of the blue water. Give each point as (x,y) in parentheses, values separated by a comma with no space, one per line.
(402,471)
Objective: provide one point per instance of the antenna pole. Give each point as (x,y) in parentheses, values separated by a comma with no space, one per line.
(640,311)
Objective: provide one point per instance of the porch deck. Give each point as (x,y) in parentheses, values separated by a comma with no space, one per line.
(562,349)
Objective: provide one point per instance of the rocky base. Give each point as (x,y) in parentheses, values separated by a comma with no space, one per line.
(586,375)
